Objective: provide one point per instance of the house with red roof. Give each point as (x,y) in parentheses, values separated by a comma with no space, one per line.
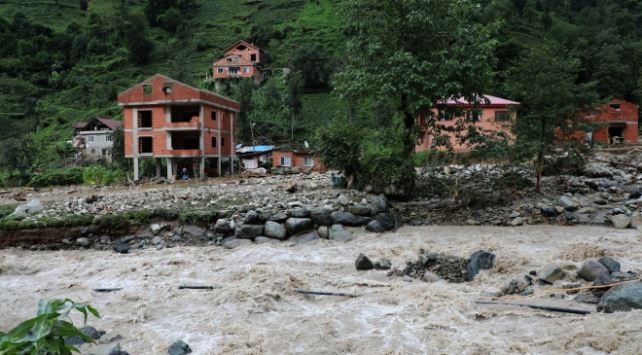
(187,129)
(240,60)
(94,139)
(488,114)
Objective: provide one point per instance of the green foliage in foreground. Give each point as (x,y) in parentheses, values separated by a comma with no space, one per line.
(45,333)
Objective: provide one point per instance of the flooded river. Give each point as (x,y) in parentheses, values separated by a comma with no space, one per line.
(254,309)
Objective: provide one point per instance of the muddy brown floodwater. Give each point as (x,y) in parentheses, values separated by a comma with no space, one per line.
(255,310)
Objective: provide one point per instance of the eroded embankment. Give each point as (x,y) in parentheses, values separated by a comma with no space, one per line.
(254,309)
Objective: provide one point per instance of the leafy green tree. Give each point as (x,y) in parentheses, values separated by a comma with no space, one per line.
(414,53)
(293,102)
(313,62)
(118,149)
(545,80)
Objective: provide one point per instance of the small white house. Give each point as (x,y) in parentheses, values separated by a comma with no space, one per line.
(95,139)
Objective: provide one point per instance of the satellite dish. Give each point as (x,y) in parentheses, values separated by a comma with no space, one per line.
(307,146)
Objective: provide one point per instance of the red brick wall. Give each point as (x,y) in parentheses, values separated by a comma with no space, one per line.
(179,92)
(627,114)
(297,159)
(487,122)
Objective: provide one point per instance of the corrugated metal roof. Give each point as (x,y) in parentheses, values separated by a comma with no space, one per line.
(255,149)
(484,100)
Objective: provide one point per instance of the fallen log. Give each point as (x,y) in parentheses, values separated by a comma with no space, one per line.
(324,293)
(108,289)
(537,306)
(195,287)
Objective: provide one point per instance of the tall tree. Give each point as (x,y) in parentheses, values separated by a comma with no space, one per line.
(413,53)
(545,80)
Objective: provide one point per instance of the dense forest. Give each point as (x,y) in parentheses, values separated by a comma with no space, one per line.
(64,61)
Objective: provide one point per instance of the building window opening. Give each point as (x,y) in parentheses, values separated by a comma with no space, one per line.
(616,107)
(616,135)
(221,70)
(286,161)
(253,57)
(213,115)
(145,145)
(308,161)
(185,113)
(144,119)
(186,140)
(502,116)
(213,142)
(108,138)
(167,87)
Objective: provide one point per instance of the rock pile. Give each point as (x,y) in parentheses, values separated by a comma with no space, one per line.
(449,267)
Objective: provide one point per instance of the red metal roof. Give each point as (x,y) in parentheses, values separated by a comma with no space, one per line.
(484,100)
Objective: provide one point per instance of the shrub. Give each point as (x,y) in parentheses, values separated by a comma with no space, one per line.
(46,333)
(100,175)
(71,176)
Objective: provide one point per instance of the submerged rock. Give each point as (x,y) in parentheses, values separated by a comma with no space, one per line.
(622,298)
(363,263)
(179,348)
(621,221)
(551,273)
(611,265)
(591,270)
(479,260)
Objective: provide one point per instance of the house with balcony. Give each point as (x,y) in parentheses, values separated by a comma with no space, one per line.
(179,126)
(93,140)
(240,60)
(488,114)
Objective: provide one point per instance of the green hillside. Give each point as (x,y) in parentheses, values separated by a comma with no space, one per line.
(68,90)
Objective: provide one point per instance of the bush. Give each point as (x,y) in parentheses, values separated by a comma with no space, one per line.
(100,175)
(58,177)
(46,333)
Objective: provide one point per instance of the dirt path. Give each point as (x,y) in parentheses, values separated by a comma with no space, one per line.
(256,312)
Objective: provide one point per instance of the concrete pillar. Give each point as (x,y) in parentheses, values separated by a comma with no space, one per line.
(170,171)
(158,168)
(232,142)
(136,176)
(201,168)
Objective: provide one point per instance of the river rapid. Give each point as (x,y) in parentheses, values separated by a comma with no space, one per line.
(254,309)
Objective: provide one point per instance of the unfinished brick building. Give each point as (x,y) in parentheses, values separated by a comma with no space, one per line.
(616,122)
(241,59)
(190,129)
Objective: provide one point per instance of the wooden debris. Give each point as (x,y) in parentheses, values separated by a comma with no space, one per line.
(195,287)
(105,290)
(584,287)
(536,306)
(324,293)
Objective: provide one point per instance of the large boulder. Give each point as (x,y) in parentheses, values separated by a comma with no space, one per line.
(348,219)
(375,227)
(363,263)
(598,170)
(591,270)
(274,230)
(300,212)
(621,221)
(386,220)
(223,226)
(610,264)
(479,260)
(379,203)
(361,210)
(33,207)
(567,203)
(551,273)
(252,217)
(280,217)
(622,298)
(248,231)
(298,225)
(636,219)
(321,216)
(339,233)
